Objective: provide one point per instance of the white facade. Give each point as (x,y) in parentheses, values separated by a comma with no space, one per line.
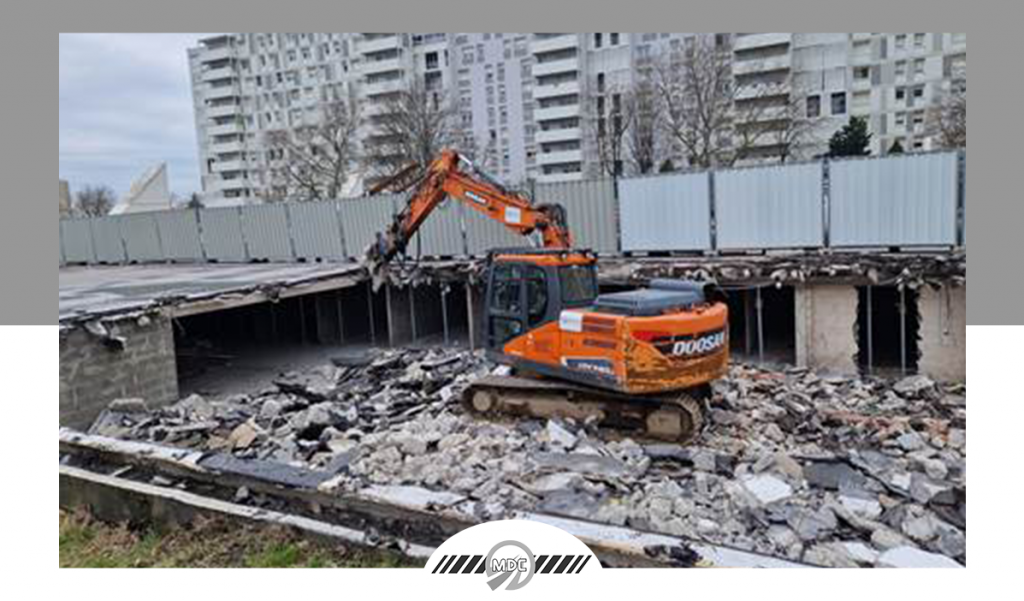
(149,192)
(892,79)
(527,103)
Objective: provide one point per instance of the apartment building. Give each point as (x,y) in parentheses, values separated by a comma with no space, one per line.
(64,204)
(530,106)
(891,79)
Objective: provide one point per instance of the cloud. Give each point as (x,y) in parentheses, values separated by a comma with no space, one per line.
(125,103)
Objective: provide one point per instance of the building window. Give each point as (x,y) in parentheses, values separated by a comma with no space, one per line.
(862,73)
(901,68)
(901,119)
(839,103)
(600,83)
(598,40)
(901,94)
(901,41)
(919,67)
(615,39)
(918,40)
(813,106)
(919,92)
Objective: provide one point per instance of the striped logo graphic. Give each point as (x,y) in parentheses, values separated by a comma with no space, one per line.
(511,565)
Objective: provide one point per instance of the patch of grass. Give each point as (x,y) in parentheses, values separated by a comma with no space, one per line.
(87,543)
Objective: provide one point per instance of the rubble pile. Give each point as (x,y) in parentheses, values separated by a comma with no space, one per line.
(830,471)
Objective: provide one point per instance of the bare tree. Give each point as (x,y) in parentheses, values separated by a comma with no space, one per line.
(949,118)
(643,140)
(313,161)
(609,119)
(94,201)
(696,88)
(414,125)
(772,117)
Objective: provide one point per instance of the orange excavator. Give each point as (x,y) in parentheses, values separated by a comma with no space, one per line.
(640,361)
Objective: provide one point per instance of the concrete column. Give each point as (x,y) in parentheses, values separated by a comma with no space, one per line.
(477,323)
(943,333)
(826,320)
(399,306)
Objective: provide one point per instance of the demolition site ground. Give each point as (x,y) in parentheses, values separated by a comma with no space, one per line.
(299,393)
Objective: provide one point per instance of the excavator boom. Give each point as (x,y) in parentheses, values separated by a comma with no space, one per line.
(454,176)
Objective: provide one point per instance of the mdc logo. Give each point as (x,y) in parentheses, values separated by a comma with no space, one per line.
(511,564)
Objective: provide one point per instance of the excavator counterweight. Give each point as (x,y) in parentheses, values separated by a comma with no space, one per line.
(640,361)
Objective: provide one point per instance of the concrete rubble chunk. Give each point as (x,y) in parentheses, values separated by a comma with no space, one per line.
(828,469)
(767,489)
(909,557)
(128,406)
(914,386)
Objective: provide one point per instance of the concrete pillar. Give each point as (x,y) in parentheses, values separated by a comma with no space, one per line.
(477,323)
(826,320)
(399,307)
(943,333)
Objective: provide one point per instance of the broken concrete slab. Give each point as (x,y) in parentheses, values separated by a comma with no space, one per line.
(908,557)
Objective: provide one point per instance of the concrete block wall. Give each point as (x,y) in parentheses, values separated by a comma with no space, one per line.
(92,374)
(944,333)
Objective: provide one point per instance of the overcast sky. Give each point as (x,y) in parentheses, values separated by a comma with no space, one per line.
(126,104)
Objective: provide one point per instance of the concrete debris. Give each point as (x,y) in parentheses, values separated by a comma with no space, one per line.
(841,472)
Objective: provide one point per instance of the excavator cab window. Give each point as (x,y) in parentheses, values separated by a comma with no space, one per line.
(579,285)
(506,313)
(536,295)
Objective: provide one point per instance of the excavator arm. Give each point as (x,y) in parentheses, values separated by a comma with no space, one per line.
(453,176)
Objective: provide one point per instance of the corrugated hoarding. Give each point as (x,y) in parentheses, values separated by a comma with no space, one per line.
(666,213)
(316,231)
(77,239)
(362,219)
(141,238)
(179,235)
(441,234)
(106,235)
(484,234)
(265,228)
(770,207)
(591,209)
(901,201)
(222,235)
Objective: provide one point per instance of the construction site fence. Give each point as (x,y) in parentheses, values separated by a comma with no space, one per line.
(905,202)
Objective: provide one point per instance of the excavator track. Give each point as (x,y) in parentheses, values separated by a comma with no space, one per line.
(676,417)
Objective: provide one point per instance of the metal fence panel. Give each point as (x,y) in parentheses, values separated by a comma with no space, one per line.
(484,234)
(61,259)
(591,209)
(265,228)
(222,235)
(179,235)
(141,238)
(77,238)
(901,201)
(106,235)
(666,213)
(770,208)
(441,234)
(362,219)
(315,231)
(963,191)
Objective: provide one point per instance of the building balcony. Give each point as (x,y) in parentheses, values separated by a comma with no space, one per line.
(781,62)
(558,178)
(560,66)
(228,129)
(383,87)
(562,42)
(220,148)
(551,91)
(229,110)
(557,112)
(217,54)
(559,135)
(761,40)
(379,44)
(384,66)
(216,92)
(228,166)
(227,185)
(754,91)
(559,158)
(218,74)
